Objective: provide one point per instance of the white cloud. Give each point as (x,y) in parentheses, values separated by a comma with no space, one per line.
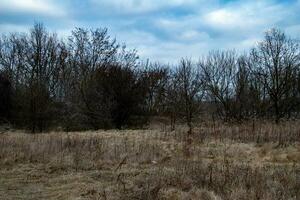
(7,28)
(141,6)
(156,49)
(245,16)
(45,7)
(161,34)
(224,18)
(239,25)
(193,35)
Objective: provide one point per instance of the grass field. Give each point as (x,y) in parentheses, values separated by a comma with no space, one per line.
(226,162)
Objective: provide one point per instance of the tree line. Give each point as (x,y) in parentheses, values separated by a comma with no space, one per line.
(90,81)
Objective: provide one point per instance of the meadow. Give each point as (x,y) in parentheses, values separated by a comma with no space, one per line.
(236,161)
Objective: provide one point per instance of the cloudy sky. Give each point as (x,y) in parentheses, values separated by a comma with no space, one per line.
(161,30)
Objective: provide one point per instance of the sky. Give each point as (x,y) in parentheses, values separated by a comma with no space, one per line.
(160,30)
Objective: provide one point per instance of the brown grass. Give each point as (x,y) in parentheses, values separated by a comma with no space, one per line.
(227,162)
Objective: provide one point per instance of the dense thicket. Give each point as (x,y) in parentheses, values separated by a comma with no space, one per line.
(89,81)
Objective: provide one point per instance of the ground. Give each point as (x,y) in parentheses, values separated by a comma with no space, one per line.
(224,163)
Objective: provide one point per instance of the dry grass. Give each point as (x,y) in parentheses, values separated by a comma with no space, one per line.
(227,162)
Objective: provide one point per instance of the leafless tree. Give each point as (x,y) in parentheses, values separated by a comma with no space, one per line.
(91,81)
(31,61)
(156,78)
(188,85)
(5,98)
(220,70)
(277,61)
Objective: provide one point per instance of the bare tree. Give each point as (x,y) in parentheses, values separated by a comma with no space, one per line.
(31,61)
(172,100)
(220,69)
(90,81)
(87,51)
(42,65)
(189,91)
(5,98)
(277,60)
(156,80)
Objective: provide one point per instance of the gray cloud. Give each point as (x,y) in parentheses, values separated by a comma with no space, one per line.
(160,30)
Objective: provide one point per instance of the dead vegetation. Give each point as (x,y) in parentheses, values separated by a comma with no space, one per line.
(227,162)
